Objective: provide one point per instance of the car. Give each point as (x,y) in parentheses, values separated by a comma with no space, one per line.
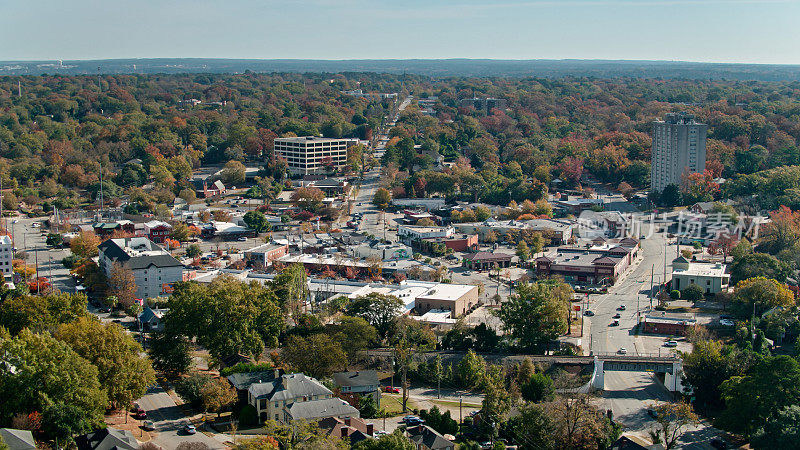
(621,307)
(726,322)
(617,316)
(718,443)
(105,309)
(391,389)
(140,414)
(189,429)
(615,323)
(671,343)
(242,239)
(622,351)
(380,433)
(589,313)
(148,425)
(467,272)
(652,413)
(412,420)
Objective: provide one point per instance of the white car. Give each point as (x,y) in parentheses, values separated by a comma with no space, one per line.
(671,343)
(726,322)
(622,351)
(190,429)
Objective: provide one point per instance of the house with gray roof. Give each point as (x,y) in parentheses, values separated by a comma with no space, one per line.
(296,396)
(359,382)
(107,439)
(154,268)
(426,438)
(17,439)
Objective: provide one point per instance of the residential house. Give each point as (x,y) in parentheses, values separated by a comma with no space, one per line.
(355,429)
(426,438)
(154,268)
(242,381)
(359,383)
(17,439)
(297,396)
(150,319)
(107,439)
(204,189)
(157,231)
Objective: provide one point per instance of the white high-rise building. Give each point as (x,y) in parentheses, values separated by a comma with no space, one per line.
(6,255)
(679,146)
(313,155)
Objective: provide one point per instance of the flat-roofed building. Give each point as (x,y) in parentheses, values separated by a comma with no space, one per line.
(679,147)
(310,154)
(265,254)
(411,232)
(711,277)
(456,298)
(6,255)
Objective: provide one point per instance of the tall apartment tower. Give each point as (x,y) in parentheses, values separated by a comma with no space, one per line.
(679,146)
(312,155)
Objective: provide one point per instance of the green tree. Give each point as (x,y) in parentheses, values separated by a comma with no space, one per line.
(62,421)
(470,369)
(226,316)
(257,221)
(40,313)
(193,251)
(395,441)
(317,355)
(180,232)
(291,285)
(533,427)
(538,388)
(382,198)
(708,365)
(692,292)
(756,398)
(354,334)
(46,372)
(523,251)
(233,173)
(379,310)
(763,293)
(123,374)
(783,431)
(191,388)
(671,196)
(536,314)
(367,406)
(751,265)
(170,353)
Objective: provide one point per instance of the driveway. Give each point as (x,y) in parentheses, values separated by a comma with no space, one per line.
(169,419)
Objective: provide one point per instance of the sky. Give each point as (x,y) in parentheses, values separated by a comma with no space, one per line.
(746,31)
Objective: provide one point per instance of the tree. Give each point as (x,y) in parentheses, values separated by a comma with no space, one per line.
(258,443)
(193,251)
(752,265)
(708,365)
(578,424)
(170,353)
(302,435)
(672,419)
(782,232)
(354,334)
(191,388)
(257,221)
(291,285)
(317,355)
(692,292)
(188,195)
(536,314)
(671,196)
(378,309)
(181,232)
(123,374)
(442,423)
(10,201)
(220,215)
(783,431)
(309,199)
(236,317)
(40,313)
(48,371)
(395,441)
(62,421)
(85,245)
(523,251)
(495,405)
(233,173)
(763,293)
(217,395)
(756,398)
(537,388)
(122,284)
(533,426)
(367,406)
(382,198)
(470,369)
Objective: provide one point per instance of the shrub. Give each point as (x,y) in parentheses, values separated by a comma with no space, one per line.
(692,292)
(675,294)
(248,416)
(246,368)
(70,261)
(538,389)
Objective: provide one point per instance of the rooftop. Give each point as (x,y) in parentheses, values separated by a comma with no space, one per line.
(448,291)
(306,139)
(702,270)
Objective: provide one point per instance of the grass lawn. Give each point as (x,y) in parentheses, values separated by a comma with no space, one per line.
(452,403)
(392,405)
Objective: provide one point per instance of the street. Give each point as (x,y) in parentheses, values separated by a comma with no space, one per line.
(169,420)
(31,240)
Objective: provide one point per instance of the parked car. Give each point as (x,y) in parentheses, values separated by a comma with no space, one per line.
(726,322)
(622,307)
(242,239)
(617,316)
(671,343)
(622,351)
(589,313)
(189,429)
(391,389)
(615,323)
(412,420)
(148,425)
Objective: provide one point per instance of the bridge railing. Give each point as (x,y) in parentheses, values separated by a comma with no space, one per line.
(671,356)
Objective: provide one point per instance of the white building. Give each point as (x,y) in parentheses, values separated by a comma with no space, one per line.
(311,154)
(712,277)
(6,255)
(411,232)
(679,146)
(153,267)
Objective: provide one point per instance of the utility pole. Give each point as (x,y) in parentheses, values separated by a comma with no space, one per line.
(36,256)
(460,415)
(652,286)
